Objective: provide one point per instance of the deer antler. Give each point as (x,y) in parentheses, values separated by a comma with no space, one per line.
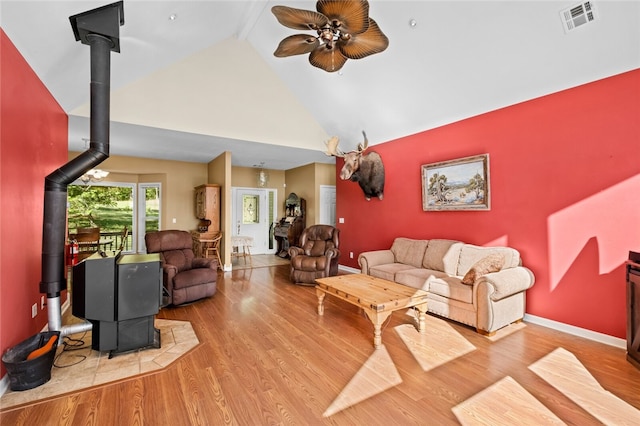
(363,146)
(332,147)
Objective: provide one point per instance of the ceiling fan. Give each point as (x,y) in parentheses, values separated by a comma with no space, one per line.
(344,31)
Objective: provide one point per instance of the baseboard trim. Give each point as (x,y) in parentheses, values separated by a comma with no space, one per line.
(349,269)
(577,331)
(565,328)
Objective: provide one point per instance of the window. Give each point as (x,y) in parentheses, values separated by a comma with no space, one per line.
(148,211)
(105,205)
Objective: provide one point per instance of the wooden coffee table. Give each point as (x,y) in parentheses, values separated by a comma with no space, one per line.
(378,297)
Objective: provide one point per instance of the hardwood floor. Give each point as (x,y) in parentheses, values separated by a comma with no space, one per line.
(267,358)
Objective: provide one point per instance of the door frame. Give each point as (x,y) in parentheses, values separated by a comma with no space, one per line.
(265,216)
(140,210)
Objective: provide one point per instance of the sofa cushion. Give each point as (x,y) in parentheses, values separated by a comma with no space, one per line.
(451,288)
(388,271)
(193,277)
(470,254)
(452,309)
(310,263)
(417,278)
(181,259)
(491,263)
(442,255)
(408,251)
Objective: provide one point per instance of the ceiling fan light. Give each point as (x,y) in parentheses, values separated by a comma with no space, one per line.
(99,174)
(344,24)
(94,175)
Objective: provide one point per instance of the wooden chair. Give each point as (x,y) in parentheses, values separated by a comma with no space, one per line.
(124,236)
(88,240)
(212,248)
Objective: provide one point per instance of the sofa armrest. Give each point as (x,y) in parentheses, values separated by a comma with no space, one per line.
(168,274)
(204,262)
(295,251)
(368,259)
(332,253)
(506,282)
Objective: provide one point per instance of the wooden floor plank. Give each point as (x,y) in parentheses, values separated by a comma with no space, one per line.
(266,357)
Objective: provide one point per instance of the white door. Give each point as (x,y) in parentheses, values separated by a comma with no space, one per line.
(251,217)
(328,205)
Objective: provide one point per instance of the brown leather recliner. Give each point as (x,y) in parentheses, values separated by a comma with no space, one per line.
(317,256)
(186,277)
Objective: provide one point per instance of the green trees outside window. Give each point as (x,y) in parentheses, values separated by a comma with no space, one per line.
(108,207)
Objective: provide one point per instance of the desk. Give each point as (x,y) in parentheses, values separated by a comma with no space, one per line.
(240,241)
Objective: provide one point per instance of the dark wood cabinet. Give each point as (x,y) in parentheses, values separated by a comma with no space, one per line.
(207,199)
(633,309)
(287,231)
(207,209)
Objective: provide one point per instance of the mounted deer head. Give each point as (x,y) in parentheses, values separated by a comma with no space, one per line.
(367,170)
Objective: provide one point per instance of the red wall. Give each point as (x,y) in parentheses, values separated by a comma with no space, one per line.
(33,136)
(565,192)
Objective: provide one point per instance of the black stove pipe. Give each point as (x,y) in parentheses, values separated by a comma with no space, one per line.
(101,42)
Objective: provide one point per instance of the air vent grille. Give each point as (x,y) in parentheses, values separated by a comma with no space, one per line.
(578,15)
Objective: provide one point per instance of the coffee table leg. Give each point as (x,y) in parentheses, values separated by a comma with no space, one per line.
(377,318)
(320,295)
(422,309)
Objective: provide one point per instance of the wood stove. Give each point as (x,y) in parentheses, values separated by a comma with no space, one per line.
(119,295)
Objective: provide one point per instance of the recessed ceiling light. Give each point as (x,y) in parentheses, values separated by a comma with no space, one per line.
(413,23)
(173,17)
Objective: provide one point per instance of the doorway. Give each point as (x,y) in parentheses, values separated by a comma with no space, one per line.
(328,205)
(253,214)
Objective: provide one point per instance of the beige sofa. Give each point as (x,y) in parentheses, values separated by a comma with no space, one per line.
(494,296)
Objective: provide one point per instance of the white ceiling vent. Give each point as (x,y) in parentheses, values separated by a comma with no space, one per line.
(578,15)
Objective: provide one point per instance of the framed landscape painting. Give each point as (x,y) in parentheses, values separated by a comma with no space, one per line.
(461,184)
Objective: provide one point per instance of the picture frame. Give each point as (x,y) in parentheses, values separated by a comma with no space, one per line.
(461,184)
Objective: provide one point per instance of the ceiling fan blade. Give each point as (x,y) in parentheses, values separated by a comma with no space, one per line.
(296,44)
(330,60)
(299,19)
(352,15)
(361,45)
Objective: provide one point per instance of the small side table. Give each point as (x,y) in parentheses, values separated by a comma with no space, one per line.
(241,242)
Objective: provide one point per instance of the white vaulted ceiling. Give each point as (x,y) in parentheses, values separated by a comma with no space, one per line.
(207,81)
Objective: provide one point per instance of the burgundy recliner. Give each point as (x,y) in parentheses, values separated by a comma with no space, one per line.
(186,277)
(317,256)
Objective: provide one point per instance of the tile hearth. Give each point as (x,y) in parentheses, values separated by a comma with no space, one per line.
(80,367)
